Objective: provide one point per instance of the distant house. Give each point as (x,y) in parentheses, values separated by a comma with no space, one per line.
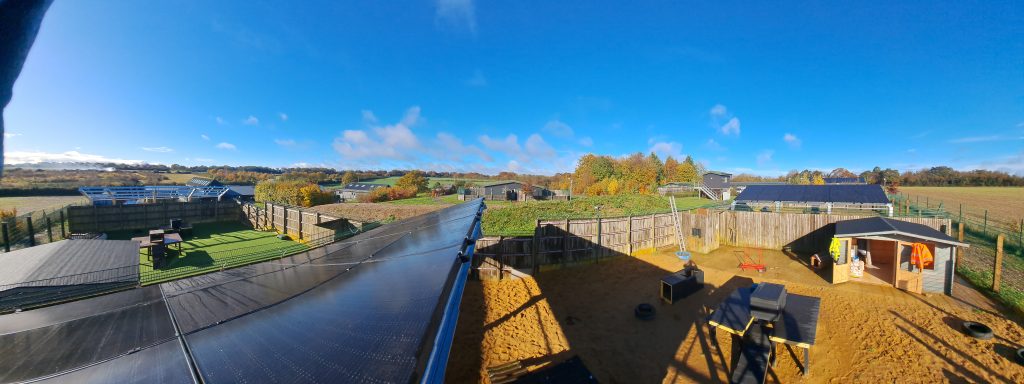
(714,185)
(844,180)
(203,182)
(352,191)
(241,192)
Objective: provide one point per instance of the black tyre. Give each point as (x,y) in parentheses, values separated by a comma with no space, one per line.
(977,330)
(644,311)
(1020,356)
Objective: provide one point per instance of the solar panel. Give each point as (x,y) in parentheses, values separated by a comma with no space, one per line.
(839,193)
(157,192)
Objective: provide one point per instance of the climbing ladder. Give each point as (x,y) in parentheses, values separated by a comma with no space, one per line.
(679,229)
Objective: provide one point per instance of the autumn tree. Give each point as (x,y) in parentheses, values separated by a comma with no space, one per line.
(414,179)
(670,171)
(348,178)
(817,179)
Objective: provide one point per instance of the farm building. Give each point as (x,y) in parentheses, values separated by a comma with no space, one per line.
(241,192)
(714,185)
(883,251)
(844,180)
(815,198)
(202,182)
(352,191)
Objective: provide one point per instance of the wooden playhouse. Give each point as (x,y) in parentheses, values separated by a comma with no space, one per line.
(879,250)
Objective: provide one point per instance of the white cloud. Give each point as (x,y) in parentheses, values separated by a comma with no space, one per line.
(509,145)
(451,148)
(536,147)
(731,127)
(720,113)
(157,149)
(220,120)
(457,13)
(29,157)
(558,128)
(478,79)
(389,142)
(713,145)
(586,141)
(285,142)
(227,146)
(765,157)
(203,160)
(9,135)
(792,140)
(251,120)
(283,116)
(204,137)
(513,166)
(981,139)
(666,148)
(1012,164)
(718,110)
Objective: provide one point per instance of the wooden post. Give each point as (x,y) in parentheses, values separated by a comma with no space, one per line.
(63,233)
(960,229)
(597,250)
(300,223)
(1020,238)
(49,229)
(961,216)
(629,236)
(537,241)
(31,231)
(565,243)
(959,250)
(7,237)
(997,270)
(985,228)
(284,220)
(500,255)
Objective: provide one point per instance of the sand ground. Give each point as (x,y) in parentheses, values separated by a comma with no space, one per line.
(867,333)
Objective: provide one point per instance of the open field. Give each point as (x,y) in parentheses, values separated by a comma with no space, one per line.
(34,203)
(427,199)
(1003,203)
(367,212)
(866,333)
(519,219)
(431,180)
(211,246)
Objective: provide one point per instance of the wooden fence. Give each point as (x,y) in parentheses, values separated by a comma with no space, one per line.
(299,223)
(85,219)
(566,242)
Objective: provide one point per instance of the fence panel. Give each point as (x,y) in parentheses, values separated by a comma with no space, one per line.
(86,219)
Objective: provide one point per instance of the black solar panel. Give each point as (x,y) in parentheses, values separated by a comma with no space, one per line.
(367,309)
(841,193)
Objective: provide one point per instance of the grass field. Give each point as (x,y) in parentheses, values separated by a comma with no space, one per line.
(431,180)
(212,246)
(1002,203)
(427,199)
(519,219)
(34,203)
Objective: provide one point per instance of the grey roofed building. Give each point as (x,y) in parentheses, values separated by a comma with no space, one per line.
(874,226)
(202,182)
(823,197)
(241,191)
(352,191)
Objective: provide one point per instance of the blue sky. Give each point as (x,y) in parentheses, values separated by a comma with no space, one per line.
(524,86)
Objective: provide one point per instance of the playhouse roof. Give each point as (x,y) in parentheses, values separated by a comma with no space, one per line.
(881,226)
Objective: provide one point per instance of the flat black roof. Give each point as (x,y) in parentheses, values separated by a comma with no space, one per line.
(881,226)
(370,308)
(835,193)
(81,258)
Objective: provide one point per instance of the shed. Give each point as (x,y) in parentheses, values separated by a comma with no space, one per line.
(241,192)
(817,198)
(202,182)
(66,270)
(888,244)
(352,191)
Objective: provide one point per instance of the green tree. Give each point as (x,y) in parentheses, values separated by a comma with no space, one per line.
(348,178)
(414,179)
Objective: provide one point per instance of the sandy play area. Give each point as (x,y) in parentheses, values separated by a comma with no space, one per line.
(867,333)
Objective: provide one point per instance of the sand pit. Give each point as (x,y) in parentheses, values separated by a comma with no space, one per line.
(866,334)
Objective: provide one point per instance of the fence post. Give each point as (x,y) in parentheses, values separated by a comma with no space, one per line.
(961,216)
(31,231)
(300,223)
(997,270)
(7,237)
(49,228)
(565,243)
(63,233)
(284,220)
(537,241)
(500,255)
(629,236)
(960,236)
(597,250)
(1020,238)
(985,230)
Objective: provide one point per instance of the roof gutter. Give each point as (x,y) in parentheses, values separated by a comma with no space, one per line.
(438,360)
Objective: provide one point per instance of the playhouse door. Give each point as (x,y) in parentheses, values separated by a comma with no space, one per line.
(907,278)
(841,268)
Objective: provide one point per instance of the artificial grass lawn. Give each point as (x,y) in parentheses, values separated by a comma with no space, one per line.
(213,246)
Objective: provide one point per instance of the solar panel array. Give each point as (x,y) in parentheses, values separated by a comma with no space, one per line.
(151,192)
(838,193)
(369,309)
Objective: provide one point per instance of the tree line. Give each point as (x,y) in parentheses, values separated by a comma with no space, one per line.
(941,176)
(636,173)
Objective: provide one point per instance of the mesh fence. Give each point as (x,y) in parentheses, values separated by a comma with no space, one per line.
(33,228)
(981,230)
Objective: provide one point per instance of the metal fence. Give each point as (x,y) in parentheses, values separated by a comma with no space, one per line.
(34,228)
